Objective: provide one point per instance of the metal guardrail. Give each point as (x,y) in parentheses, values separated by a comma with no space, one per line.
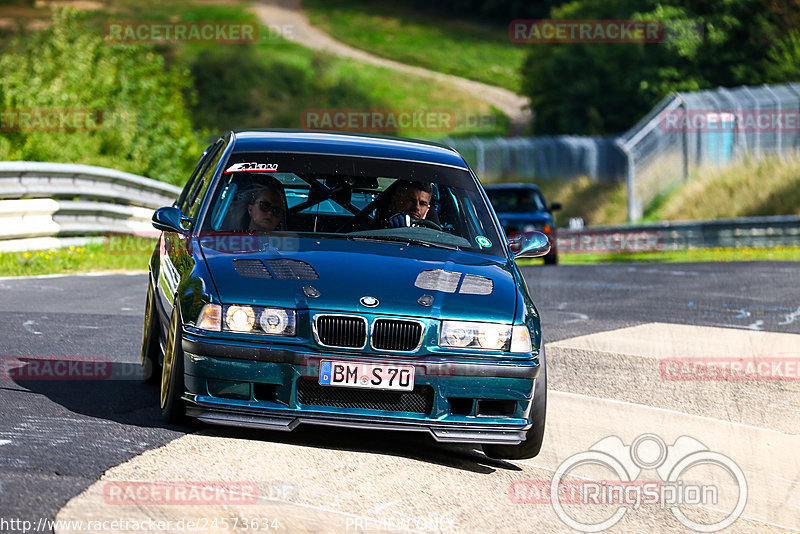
(59,200)
(749,232)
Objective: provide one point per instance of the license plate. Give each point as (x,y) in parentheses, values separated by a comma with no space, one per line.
(366,375)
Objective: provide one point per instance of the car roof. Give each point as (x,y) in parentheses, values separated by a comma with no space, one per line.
(511,186)
(347,144)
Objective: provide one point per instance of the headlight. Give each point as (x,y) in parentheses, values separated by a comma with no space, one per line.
(462,334)
(259,320)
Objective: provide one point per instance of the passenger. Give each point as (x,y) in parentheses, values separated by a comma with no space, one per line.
(266,207)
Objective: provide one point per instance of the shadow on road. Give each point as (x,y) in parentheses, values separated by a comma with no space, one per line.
(116,392)
(95,388)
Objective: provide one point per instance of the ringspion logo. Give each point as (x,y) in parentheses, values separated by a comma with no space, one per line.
(592,490)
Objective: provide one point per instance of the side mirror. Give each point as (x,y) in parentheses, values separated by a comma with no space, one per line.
(532,245)
(555,206)
(170,219)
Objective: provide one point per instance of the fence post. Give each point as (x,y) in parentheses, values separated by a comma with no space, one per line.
(780,119)
(757,134)
(793,89)
(634,206)
(684,136)
(480,157)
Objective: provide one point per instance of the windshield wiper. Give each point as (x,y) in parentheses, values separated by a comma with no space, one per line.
(404,241)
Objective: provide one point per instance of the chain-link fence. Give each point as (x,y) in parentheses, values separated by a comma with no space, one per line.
(542,158)
(683,133)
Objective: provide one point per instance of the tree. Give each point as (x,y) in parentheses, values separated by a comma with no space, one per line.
(602,88)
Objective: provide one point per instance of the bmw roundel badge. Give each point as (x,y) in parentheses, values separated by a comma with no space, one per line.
(369,302)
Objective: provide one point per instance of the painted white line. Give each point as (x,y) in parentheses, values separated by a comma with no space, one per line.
(791,317)
(28,325)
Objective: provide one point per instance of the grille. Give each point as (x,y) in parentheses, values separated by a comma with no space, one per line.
(420,400)
(292,270)
(251,268)
(342,331)
(393,334)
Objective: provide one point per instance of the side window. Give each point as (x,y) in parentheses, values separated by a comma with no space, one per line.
(190,183)
(198,191)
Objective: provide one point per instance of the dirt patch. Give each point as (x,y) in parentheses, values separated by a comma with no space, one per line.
(80,5)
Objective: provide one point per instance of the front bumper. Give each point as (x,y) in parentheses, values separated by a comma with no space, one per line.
(466,400)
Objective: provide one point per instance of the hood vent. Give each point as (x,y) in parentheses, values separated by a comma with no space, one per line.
(251,268)
(438,280)
(292,270)
(476,285)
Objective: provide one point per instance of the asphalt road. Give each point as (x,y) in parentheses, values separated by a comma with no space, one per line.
(58,437)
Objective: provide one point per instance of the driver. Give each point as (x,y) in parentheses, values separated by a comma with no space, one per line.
(409,200)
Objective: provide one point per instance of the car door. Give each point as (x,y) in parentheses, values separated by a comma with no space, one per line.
(175,259)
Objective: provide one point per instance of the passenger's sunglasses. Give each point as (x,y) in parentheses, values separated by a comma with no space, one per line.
(266,206)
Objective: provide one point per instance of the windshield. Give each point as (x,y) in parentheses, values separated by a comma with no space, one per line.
(352,198)
(516,200)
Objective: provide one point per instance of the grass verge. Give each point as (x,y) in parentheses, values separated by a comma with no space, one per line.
(431,40)
(133,254)
(93,257)
(679,256)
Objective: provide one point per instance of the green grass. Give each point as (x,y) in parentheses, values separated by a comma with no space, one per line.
(597,203)
(132,254)
(272,84)
(751,188)
(426,39)
(116,254)
(678,256)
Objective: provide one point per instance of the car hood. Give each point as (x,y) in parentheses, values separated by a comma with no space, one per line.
(344,271)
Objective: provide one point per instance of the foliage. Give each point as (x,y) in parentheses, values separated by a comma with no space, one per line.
(435,40)
(243,87)
(145,127)
(601,88)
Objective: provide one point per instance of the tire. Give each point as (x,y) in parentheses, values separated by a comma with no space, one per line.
(534,437)
(551,259)
(173,410)
(151,337)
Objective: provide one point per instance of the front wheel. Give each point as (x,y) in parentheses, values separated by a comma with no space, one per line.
(173,409)
(151,346)
(534,437)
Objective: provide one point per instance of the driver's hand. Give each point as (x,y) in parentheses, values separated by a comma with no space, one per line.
(399,220)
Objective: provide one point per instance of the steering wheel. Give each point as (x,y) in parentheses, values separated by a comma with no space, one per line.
(426,223)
